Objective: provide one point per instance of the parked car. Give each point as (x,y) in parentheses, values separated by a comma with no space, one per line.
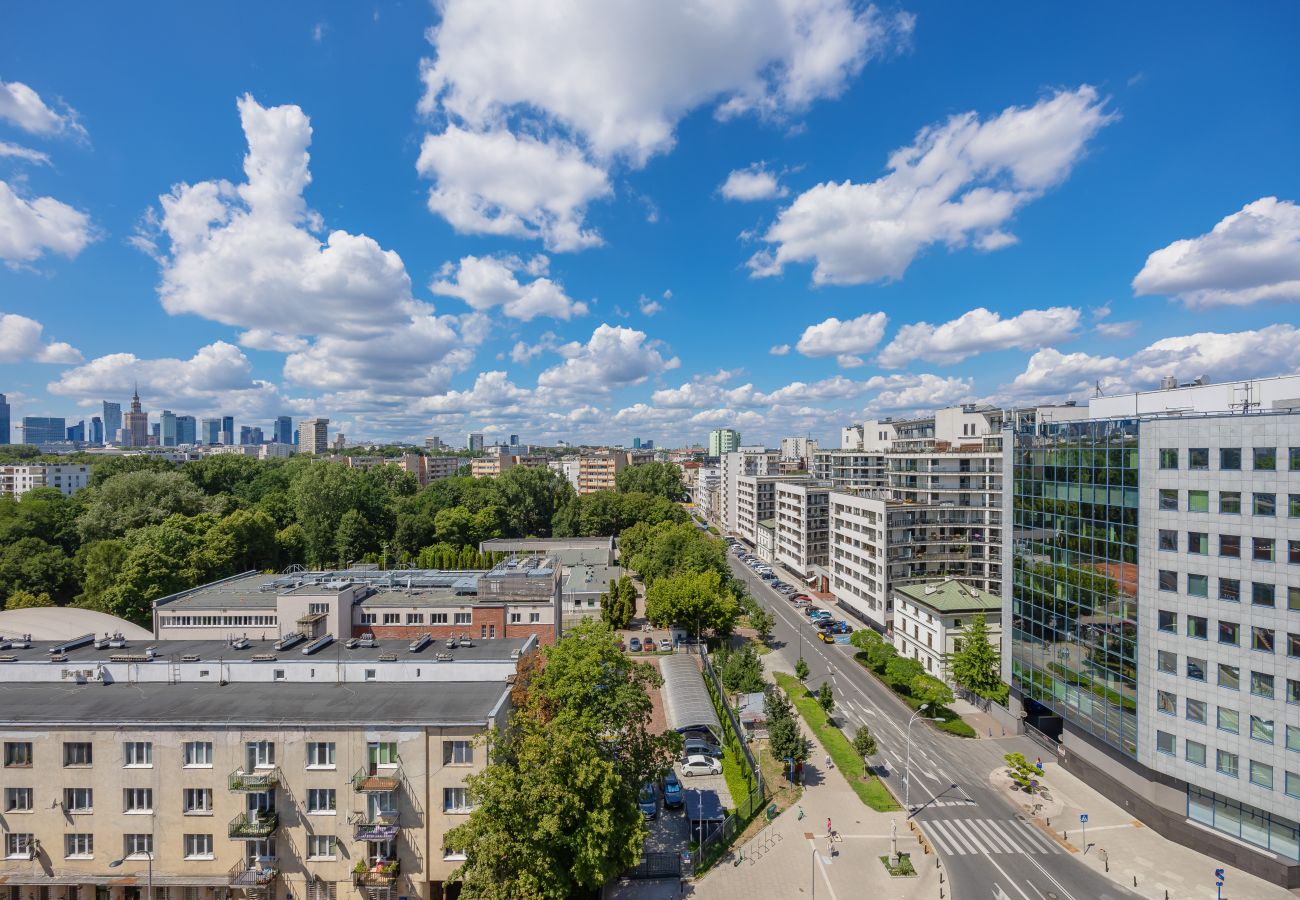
(803,604)
(648,800)
(635,645)
(701,765)
(801,597)
(820,614)
(672,790)
(622,645)
(701,747)
(648,645)
(842,627)
(826,636)
(809,610)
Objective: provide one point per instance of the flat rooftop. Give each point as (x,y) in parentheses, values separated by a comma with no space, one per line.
(951,596)
(251,704)
(591,579)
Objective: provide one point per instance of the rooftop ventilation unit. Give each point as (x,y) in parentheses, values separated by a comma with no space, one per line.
(367,640)
(264,657)
(291,639)
(388,656)
(420,643)
(319,644)
(68,645)
(189,657)
(239,643)
(351,643)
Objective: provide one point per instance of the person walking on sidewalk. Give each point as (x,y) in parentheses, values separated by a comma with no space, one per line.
(828,827)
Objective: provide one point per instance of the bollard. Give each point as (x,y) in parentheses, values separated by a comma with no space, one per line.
(990,732)
(1065,836)
(1049,821)
(936,859)
(1135,881)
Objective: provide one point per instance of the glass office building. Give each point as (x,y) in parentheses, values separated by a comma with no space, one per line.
(1074,597)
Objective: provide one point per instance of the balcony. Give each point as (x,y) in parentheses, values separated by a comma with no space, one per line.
(379,781)
(255,826)
(254,874)
(254,782)
(374,826)
(380,874)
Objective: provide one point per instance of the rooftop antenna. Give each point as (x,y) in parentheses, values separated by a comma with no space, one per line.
(1246,404)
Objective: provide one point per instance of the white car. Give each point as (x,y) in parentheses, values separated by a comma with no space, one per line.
(701,765)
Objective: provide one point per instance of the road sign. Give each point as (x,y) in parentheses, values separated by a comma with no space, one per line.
(1083,817)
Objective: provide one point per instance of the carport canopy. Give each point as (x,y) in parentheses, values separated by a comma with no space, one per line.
(704,806)
(687,703)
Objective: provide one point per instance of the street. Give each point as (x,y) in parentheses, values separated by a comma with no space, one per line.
(988,846)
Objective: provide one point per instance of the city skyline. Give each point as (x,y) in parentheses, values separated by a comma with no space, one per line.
(775,233)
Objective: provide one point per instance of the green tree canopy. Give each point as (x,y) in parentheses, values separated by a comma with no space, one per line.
(662,479)
(530,497)
(136,499)
(864,743)
(692,600)
(21,599)
(976,665)
(929,689)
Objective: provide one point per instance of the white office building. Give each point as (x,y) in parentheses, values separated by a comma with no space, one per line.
(18,480)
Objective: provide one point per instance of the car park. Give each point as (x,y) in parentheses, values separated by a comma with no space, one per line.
(701,747)
(635,645)
(672,791)
(701,765)
(648,800)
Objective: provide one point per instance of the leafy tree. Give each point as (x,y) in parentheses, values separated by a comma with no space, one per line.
(801,669)
(353,538)
(864,743)
(454,525)
(694,600)
(21,599)
(104,469)
(136,499)
(662,479)
(99,564)
(224,474)
(929,689)
(762,622)
(530,497)
(901,671)
(785,740)
(976,665)
(30,564)
(741,670)
(826,697)
(252,539)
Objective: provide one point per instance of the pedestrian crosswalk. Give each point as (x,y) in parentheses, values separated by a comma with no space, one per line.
(931,804)
(967,837)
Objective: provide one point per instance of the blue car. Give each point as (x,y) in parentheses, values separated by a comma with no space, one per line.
(672,787)
(841,627)
(634,645)
(648,801)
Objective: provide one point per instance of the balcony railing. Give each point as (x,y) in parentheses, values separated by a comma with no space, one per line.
(377,875)
(376,781)
(255,781)
(254,826)
(254,874)
(374,826)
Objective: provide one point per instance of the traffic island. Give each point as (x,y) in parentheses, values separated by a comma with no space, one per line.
(901,868)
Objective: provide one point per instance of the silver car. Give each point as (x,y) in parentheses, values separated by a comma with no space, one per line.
(701,765)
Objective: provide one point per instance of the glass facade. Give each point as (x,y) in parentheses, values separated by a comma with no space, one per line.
(1074,574)
(1282,836)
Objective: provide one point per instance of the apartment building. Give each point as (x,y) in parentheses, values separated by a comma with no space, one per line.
(499,459)
(929,620)
(723,441)
(18,480)
(428,469)
(743,462)
(755,497)
(801,531)
(598,471)
(858,550)
(313,435)
(798,449)
(252,770)
(850,470)
(1154,603)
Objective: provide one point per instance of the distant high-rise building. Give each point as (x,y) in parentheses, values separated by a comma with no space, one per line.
(433,443)
(96,435)
(245,435)
(283,431)
(636,443)
(44,430)
(211,433)
(723,441)
(340,441)
(514,440)
(167,429)
(255,435)
(135,424)
(227,430)
(112,421)
(77,432)
(647,445)
(155,432)
(295,437)
(186,430)
(313,435)
(474,442)
(4,419)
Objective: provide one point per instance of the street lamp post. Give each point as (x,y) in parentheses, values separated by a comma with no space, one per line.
(813,871)
(907,771)
(149,878)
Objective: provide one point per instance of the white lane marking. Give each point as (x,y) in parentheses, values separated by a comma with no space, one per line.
(938,836)
(975,834)
(1038,839)
(1010,881)
(1000,838)
(958,838)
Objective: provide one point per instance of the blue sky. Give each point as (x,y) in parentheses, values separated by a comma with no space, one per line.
(640,219)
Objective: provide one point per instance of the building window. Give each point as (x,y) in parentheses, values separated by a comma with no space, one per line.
(1167,703)
(1168,540)
(1229,677)
(1261,684)
(18,754)
(137,846)
(1262,549)
(534,618)
(278,675)
(1293,552)
(1261,729)
(1229,720)
(1198,585)
(1198,542)
(1265,504)
(367,618)
(1195,711)
(1198,627)
(1293,506)
(1293,738)
(371,674)
(1292,690)
(382,753)
(260,754)
(516,618)
(137,800)
(1166,742)
(198,755)
(1230,458)
(138,753)
(18,799)
(1230,590)
(392,618)
(198,846)
(1169,499)
(1261,774)
(415,618)
(437,618)
(1165,661)
(1262,639)
(1226,763)
(320,846)
(1230,503)
(78,800)
(197,801)
(1167,621)
(1292,644)
(1168,457)
(461,618)
(1230,545)
(320,754)
(1293,784)
(320,801)
(1293,599)
(1261,594)
(1195,668)
(455,799)
(318,609)
(1198,458)
(457,753)
(1265,459)
(19,845)
(1198,501)
(1168,581)
(1229,633)
(78,846)
(76,753)
(1194,752)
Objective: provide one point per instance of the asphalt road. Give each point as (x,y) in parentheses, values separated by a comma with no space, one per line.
(984,841)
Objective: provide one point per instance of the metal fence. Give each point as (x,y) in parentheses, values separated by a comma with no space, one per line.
(656,865)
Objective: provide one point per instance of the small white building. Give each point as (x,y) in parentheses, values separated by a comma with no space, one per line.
(18,480)
(929,620)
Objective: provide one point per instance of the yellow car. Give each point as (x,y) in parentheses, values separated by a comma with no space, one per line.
(826,637)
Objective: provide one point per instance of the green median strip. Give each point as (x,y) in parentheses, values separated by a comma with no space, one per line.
(870,789)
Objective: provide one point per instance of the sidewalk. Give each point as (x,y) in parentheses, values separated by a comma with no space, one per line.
(784,859)
(1132,849)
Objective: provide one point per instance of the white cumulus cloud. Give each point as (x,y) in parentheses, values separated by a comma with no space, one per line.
(752,183)
(24,107)
(21,341)
(615,356)
(959,183)
(1250,256)
(30,228)
(843,338)
(779,350)
(978,331)
(26,154)
(488,282)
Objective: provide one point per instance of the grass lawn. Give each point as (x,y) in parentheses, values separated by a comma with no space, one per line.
(869,788)
(904,867)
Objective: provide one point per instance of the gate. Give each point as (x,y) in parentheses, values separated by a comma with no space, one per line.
(656,865)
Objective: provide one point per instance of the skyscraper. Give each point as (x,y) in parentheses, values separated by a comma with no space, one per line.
(514,440)
(245,434)
(211,434)
(112,421)
(227,430)
(314,435)
(77,432)
(96,430)
(283,433)
(186,430)
(167,429)
(4,419)
(44,430)
(135,423)
(255,435)
(636,443)
(474,442)
(723,441)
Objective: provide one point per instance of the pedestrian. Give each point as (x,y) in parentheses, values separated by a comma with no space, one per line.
(828,827)
(829,764)
(1039,765)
